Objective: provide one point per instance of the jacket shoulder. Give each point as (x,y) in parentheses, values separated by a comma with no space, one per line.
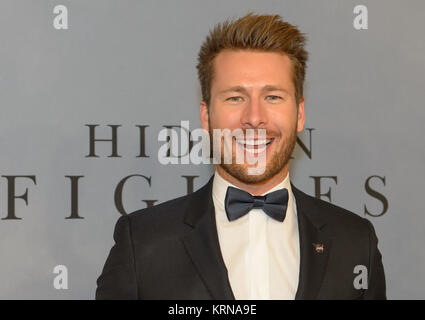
(166,219)
(169,208)
(340,220)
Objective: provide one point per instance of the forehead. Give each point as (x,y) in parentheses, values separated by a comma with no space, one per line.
(251,68)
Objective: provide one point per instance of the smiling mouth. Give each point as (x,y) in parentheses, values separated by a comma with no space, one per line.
(255,146)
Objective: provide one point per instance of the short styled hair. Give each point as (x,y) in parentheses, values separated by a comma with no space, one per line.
(266,33)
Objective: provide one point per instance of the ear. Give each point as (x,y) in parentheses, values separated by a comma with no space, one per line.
(203,110)
(301,115)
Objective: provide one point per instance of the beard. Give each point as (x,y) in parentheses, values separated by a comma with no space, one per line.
(278,159)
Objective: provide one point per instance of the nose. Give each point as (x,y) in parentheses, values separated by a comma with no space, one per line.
(254,115)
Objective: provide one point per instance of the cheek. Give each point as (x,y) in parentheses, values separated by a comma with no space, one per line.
(283,122)
(225,120)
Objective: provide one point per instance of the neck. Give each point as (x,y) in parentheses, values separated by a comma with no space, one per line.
(257,188)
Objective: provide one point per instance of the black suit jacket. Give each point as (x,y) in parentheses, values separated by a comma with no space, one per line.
(172,251)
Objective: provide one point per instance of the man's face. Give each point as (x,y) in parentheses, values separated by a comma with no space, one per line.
(254,90)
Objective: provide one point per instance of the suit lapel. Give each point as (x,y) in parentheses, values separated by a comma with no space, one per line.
(202,244)
(315,247)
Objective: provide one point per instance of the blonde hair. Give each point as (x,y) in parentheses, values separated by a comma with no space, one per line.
(266,33)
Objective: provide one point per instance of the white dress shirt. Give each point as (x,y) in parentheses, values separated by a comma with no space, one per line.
(262,255)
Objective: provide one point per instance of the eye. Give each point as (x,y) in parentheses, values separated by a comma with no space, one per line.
(234,99)
(274,97)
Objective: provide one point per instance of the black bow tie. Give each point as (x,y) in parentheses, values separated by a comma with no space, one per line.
(239,202)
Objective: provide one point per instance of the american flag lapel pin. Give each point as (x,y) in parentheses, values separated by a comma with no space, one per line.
(318,247)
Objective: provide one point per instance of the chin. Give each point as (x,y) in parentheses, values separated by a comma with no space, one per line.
(240,172)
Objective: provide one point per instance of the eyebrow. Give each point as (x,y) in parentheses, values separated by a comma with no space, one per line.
(266,88)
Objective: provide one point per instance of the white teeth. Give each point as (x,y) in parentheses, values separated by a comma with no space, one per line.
(257,150)
(254,146)
(253,142)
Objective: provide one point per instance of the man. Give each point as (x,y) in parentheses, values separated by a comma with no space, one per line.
(247,236)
